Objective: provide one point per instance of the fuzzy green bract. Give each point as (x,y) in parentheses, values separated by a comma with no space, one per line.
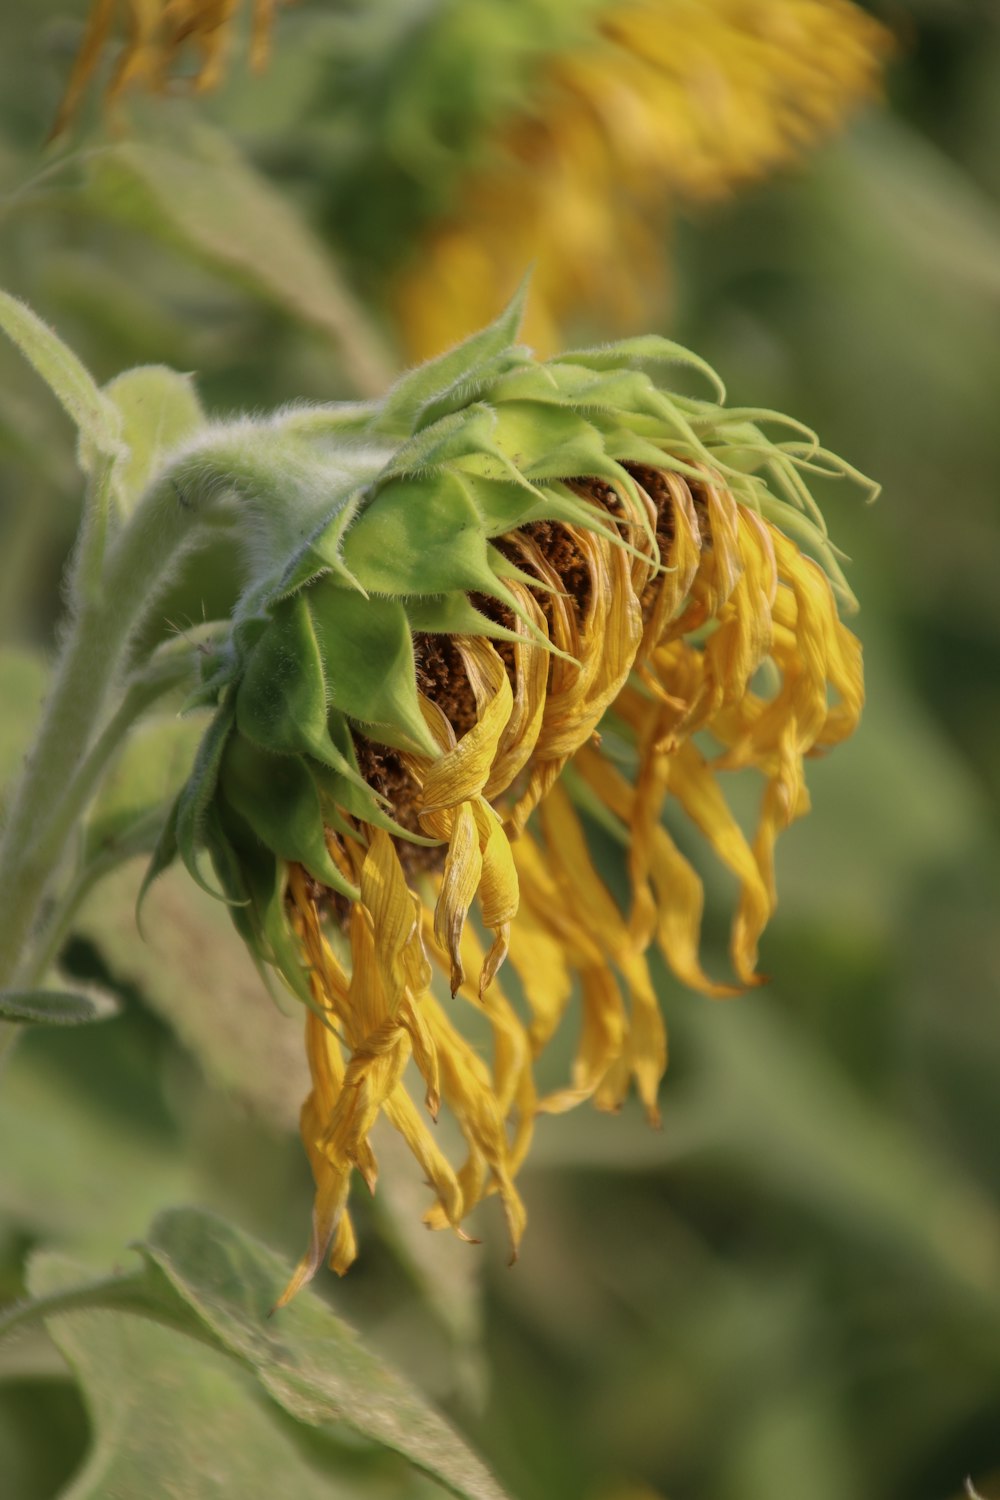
(461,451)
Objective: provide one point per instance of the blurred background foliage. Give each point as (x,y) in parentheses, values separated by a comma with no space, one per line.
(794,1287)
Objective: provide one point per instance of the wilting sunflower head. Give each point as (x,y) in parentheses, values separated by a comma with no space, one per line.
(506,595)
(164,42)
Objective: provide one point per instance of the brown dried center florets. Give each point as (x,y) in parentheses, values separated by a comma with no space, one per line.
(440,671)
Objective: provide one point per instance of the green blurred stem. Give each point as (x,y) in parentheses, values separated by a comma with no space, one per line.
(67,760)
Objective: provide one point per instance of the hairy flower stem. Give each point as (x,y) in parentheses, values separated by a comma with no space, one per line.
(70,751)
(232,472)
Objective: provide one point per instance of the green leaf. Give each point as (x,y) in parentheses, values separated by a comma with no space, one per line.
(171,1418)
(204,1278)
(55,1007)
(159,409)
(200,194)
(196,974)
(96,417)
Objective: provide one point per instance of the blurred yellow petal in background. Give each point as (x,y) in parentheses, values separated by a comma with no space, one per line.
(671,102)
(157,36)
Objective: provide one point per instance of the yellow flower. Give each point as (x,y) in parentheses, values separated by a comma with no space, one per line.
(507,719)
(159,34)
(559,592)
(672,102)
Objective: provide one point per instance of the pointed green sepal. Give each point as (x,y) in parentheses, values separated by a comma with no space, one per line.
(282,700)
(419,536)
(196,795)
(165,852)
(277,797)
(429,382)
(646,349)
(368,650)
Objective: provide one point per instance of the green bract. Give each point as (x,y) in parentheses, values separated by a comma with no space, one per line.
(365,523)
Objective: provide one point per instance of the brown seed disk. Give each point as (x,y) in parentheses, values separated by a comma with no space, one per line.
(441,677)
(494,610)
(559,547)
(653,481)
(599,491)
(383,769)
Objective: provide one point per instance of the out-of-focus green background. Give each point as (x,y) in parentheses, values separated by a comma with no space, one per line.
(793,1289)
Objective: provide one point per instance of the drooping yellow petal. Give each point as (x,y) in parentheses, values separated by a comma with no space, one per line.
(668,896)
(601,1044)
(603,646)
(742,637)
(463,868)
(498,888)
(538,956)
(513,1083)
(327,1218)
(693,783)
(467,1089)
(679,538)
(462,772)
(395,919)
(531,673)
(402,1114)
(646,1044)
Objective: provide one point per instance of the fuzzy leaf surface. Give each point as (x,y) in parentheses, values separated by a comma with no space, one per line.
(69,381)
(54,1007)
(204,1278)
(171,1418)
(159,408)
(202,196)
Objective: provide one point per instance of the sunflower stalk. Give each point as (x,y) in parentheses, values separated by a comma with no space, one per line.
(116,581)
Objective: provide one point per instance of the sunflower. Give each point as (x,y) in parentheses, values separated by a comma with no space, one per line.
(508,599)
(667,103)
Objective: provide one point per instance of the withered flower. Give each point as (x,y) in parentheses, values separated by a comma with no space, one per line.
(511,596)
